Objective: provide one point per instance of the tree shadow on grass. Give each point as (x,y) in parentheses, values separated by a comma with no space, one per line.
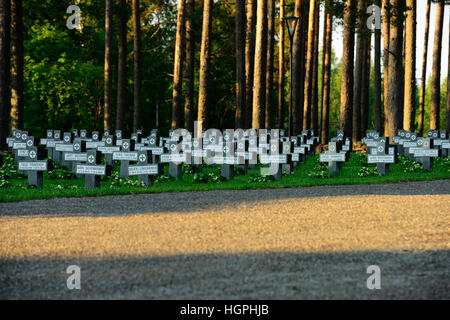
(291,275)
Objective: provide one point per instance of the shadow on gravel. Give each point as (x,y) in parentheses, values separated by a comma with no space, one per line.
(214,200)
(342,275)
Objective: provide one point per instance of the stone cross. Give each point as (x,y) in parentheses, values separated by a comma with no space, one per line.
(93,169)
(424,153)
(382,155)
(35,165)
(145,170)
(228,156)
(288,150)
(77,155)
(109,148)
(127,154)
(334,157)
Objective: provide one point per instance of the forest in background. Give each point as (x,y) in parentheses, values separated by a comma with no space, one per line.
(65,84)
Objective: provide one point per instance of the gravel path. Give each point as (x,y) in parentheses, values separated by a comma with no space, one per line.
(284,243)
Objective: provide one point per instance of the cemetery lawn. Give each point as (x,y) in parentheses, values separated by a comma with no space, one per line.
(310,173)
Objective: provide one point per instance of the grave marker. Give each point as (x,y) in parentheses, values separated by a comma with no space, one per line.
(35,165)
(334,157)
(93,169)
(127,154)
(145,170)
(382,155)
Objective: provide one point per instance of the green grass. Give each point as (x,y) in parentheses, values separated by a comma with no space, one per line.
(17,189)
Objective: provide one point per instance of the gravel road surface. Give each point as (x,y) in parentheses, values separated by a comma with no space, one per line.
(299,243)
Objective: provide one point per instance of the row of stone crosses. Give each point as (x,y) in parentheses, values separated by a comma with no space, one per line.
(92,155)
(382,153)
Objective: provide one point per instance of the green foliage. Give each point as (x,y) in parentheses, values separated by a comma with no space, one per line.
(117,181)
(9,168)
(409,165)
(162,178)
(360,159)
(59,172)
(190,168)
(238,171)
(320,170)
(367,171)
(210,177)
(259,179)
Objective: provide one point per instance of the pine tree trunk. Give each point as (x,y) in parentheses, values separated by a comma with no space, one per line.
(281,69)
(315,75)
(203,93)
(395,67)
(137,67)
(447,115)
(5,25)
(358,77)
(436,74)
(240,63)
(386,35)
(177,92)
(190,64)
(122,66)
(424,71)
(308,89)
(259,78)
(107,111)
(297,69)
(410,67)
(327,42)
(346,107)
(365,88)
(17,64)
(269,66)
(377,78)
(249,60)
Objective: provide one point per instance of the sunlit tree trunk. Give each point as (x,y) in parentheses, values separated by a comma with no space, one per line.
(447,115)
(410,67)
(326,75)
(358,77)
(377,77)
(365,86)
(395,66)
(281,81)
(137,67)
(5,25)
(270,58)
(346,107)
(436,70)
(424,70)
(122,66)
(17,64)
(308,89)
(259,78)
(298,56)
(203,93)
(177,92)
(190,63)
(315,75)
(386,29)
(240,63)
(107,110)
(249,60)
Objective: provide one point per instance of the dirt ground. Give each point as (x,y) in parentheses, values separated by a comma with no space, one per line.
(302,243)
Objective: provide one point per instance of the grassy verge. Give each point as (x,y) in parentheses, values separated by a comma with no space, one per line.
(308,174)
